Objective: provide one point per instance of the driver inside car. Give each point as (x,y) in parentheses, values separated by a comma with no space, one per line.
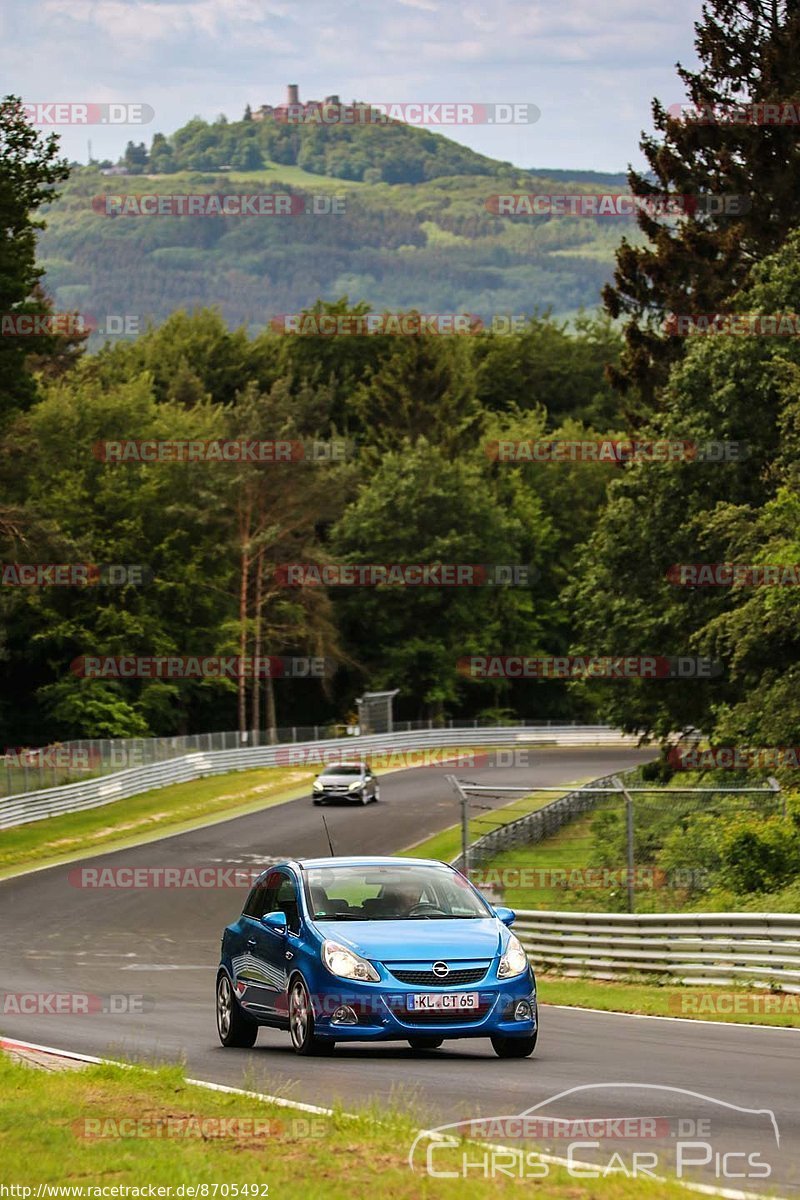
(399,901)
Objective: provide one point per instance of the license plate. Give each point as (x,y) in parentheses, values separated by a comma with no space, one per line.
(442,1000)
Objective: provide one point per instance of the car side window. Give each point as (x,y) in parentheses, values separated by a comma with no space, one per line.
(262,898)
(287,903)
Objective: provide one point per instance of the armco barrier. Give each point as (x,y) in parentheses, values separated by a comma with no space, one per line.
(693,948)
(75,797)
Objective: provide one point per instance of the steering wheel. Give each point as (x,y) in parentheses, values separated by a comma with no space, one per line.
(420,910)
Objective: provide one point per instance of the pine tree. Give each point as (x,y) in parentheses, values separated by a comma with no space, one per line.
(749,52)
(29,169)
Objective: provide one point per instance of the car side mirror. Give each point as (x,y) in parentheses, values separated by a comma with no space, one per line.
(275,921)
(506,915)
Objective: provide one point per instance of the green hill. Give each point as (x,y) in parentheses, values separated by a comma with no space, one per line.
(415,232)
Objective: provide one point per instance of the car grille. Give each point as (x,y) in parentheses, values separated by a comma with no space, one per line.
(428,979)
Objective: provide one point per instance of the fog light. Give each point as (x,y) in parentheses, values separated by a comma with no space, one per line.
(523,1011)
(344,1015)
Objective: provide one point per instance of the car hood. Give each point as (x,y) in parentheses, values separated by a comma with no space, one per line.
(413,941)
(338,778)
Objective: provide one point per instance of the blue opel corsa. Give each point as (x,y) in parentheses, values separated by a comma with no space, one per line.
(374,949)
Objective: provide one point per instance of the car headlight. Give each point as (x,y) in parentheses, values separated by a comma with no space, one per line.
(359,783)
(514,961)
(318,785)
(347,965)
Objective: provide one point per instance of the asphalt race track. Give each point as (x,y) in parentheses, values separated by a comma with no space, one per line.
(162,944)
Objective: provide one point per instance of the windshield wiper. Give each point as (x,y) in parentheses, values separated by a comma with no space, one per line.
(440,917)
(339,917)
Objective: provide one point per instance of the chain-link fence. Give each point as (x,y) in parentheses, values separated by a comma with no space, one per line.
(29,769)
(619,844)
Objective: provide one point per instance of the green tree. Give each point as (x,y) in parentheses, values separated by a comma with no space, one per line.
(425,388)
(743,392)
(552,366)
(419,507)
(166,517)
(30,167)
(749,52)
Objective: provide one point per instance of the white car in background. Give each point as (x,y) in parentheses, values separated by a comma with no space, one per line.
(351,781)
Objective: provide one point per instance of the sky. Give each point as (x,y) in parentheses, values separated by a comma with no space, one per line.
(591,69)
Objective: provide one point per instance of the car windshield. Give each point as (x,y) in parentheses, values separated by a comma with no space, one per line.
(342,769)
(390,893)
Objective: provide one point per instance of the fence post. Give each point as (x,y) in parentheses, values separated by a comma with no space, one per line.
(462,795)
(629,828)
(776,787)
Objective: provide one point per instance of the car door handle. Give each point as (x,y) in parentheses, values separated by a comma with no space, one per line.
(251,943)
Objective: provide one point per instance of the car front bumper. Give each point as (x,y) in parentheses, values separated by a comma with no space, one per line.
(326,797)
(382,1013)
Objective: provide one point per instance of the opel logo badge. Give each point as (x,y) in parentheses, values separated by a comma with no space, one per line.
(441,970)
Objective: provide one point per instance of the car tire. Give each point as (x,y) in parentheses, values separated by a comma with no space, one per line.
(425,1043)
(233,1027)
(513,1047)
(301,1021)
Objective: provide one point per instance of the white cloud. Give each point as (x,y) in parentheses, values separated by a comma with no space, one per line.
(591,69)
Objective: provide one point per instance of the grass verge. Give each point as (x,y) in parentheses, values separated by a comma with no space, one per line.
(169,810)
(153,814)
(274,1151)
(737,1006)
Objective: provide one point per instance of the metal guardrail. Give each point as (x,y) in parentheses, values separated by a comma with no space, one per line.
(32,769)
(761,949)
(92,793)
(537,825)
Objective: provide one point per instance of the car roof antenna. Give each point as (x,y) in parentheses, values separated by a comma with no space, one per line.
(328,836)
